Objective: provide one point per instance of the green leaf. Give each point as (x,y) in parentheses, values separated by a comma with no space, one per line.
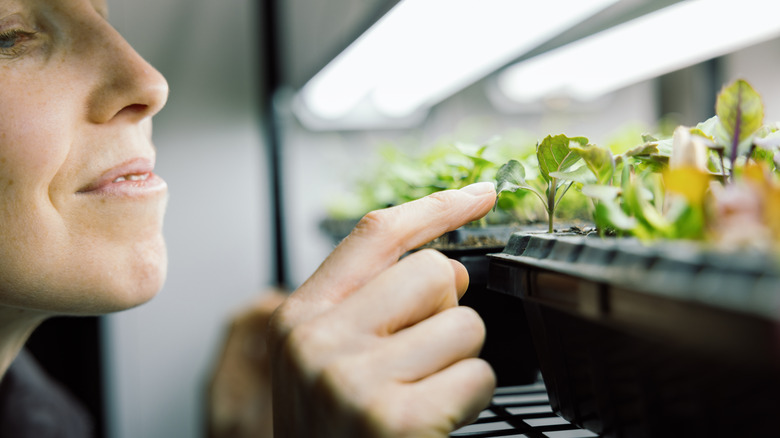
(708,128)
(769,142)
(653,154)
(652,163)
(639,206)
(688,221)
(582,175)
(648,148)
(478,168)
(741,113)
(601,192)
(555,155)
(470,150)
(599,160)
(665,148)
(647,138)
(511,177)
(698,132)
(609,212)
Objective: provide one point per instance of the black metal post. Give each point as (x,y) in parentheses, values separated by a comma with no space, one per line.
(270,63)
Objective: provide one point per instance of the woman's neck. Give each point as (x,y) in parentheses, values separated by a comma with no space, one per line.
(16,325)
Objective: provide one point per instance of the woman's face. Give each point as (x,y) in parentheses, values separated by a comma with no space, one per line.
(80,209)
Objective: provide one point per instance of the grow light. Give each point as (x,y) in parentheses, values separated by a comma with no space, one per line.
(422,51)
(669,39)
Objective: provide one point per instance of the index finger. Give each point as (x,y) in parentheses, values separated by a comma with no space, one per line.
(382,236)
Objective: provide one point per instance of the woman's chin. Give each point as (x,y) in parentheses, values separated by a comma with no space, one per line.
(142,283)
(121,285)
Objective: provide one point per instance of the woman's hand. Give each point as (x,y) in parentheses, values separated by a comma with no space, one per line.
(239,389)
(372,346)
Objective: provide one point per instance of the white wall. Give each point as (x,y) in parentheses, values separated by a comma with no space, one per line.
(217,226)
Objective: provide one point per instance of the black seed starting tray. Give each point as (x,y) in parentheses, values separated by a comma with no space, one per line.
(650,341)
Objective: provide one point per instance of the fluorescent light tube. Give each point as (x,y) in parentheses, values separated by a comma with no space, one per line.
(423,51)
(669,39)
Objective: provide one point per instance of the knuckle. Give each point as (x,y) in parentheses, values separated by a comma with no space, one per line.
(482,368)
(376,222)
(311,335)
(381,226)
(307,344)
(396,419)
(469,320)
(280,319)
(440,200)
(485,376)
(431,259)
(437,269)
(468,324)
(438,274)
(293,343)
(278,328)
(281,323)
(300,335)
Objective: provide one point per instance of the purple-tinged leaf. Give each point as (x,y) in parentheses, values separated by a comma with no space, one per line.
(741,113)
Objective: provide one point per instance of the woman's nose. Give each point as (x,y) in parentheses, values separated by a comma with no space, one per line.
(127,86)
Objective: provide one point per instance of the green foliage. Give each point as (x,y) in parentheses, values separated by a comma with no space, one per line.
(401,176)
(654,189)
(599,161)
(651,187)
(511,176)
(557,160)
(556,156)
(649,190)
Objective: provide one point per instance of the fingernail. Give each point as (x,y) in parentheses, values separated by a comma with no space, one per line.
(480,188)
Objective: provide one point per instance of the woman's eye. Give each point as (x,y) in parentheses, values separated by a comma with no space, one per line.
(12,41)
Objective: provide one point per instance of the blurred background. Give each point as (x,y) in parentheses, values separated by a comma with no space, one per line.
(254,144)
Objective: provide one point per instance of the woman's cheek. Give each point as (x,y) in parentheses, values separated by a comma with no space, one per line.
(91,260)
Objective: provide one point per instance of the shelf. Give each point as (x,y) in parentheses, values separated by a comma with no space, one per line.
(521,411)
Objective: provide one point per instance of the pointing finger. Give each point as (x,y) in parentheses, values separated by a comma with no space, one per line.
(383,236)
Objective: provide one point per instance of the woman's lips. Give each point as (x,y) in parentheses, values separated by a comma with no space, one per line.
(133,178)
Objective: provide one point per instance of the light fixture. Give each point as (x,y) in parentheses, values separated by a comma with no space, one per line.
(669,39)
(422,51)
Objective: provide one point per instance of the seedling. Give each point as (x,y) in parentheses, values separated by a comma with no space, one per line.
(557,157)
(401,176)
(741,115)
(687,187)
